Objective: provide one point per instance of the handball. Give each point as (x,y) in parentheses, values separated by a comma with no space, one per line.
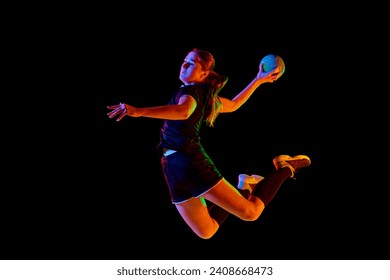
(272,61)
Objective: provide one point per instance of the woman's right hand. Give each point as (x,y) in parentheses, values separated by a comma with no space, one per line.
(121,110)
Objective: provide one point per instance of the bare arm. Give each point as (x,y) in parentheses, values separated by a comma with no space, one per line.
(232,105)
(180,111)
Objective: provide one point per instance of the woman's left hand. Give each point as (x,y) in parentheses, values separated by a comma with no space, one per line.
(268,77)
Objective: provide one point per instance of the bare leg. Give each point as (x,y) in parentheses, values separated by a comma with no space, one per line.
(227,197)
(245,186)
(224,195)
(196,215)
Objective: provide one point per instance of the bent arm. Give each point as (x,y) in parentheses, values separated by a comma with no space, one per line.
(232,105)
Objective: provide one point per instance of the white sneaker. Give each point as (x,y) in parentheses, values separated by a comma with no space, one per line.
(248,182)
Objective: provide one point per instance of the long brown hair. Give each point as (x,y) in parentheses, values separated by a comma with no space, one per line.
(215,83)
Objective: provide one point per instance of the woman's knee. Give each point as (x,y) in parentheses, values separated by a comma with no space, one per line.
(254,212)
(206,232)
(205,235)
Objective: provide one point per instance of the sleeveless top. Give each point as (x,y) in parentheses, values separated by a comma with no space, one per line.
(181,135)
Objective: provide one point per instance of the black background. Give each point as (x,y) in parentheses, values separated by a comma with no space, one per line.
(94,186)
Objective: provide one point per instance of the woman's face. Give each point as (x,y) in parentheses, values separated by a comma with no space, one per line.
(191,71)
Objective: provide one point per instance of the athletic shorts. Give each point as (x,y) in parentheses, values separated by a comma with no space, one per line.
(189,175)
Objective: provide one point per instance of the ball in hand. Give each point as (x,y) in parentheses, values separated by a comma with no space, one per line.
(271,61)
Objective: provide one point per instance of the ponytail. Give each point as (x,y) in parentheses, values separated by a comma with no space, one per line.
(215,82)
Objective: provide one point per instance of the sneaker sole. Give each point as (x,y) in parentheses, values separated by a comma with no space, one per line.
(288,158)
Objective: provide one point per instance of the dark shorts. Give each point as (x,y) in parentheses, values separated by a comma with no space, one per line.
(189,174)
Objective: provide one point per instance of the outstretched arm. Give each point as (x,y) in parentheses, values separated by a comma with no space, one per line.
(261,78)
(180,111)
